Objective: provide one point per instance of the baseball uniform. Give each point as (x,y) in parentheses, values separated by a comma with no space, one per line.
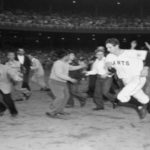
(128,67)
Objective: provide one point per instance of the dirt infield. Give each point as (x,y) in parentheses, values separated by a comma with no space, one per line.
(119,129)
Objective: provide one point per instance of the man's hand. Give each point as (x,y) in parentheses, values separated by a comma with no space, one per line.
(108,65)
(104,76)
(83,65)
(73,80)
(86,73)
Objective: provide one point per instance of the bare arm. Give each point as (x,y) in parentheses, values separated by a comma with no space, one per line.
(72,68)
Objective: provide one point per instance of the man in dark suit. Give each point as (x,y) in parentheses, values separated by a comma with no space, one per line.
(25,67)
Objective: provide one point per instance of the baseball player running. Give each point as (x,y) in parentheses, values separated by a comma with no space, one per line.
(128,65)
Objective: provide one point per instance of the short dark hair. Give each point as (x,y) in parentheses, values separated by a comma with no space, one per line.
(100,49)
(113,41)
(10,52)
(62,53)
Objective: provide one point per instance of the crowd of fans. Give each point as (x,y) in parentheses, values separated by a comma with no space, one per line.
(26,19)
(48,57)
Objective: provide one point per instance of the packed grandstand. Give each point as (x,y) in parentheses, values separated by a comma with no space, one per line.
(71,21)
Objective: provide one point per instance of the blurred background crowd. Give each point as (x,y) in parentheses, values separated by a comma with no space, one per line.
(71,21)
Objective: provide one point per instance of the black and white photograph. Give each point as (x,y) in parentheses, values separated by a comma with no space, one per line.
(74,75)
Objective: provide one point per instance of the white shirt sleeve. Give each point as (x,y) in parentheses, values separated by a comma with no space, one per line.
(93,70)
(140,54)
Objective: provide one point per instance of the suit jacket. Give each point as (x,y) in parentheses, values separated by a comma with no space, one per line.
(25,67)
(7,78)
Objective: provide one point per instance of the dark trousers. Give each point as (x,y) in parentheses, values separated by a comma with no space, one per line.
(70,100)
(7,103)
(25,83)
(74,93)
(92,80)
(102,88)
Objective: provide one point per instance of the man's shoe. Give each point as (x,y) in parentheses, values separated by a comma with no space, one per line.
(55,116)
(114,105)
(69,106)
(51,115)
(64,113)
(14,115)
(19,99)
(1,114)
(45,89)
(27,95)
(142,110)
(82,104)
(98,108)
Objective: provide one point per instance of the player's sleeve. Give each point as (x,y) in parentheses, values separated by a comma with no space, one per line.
(141,54)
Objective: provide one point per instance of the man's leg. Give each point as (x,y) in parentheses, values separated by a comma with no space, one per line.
(98,97)
(144,100)
(65,100)
(70,102)
(2,106)
(147,89)
(134,88)
(9,104)
(59,92)
(77,93)
(92,82)
(25,83)
(107,83)
(41,82)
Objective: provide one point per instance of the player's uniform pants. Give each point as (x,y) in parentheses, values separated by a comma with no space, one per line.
(133,87)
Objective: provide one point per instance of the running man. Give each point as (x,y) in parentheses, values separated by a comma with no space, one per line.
(129,65)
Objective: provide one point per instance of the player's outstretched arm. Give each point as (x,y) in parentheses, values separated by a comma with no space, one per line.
(147,45)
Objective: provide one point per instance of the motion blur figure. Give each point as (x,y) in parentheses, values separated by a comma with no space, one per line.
(38,75)
(58,83)
(19,92)
(7,78)
(25,67)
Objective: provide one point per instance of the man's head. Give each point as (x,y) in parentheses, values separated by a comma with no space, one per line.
(112,45)
(63,54)
(30,57)
(99,52)
(21,51)
(72,56)
(11,55)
